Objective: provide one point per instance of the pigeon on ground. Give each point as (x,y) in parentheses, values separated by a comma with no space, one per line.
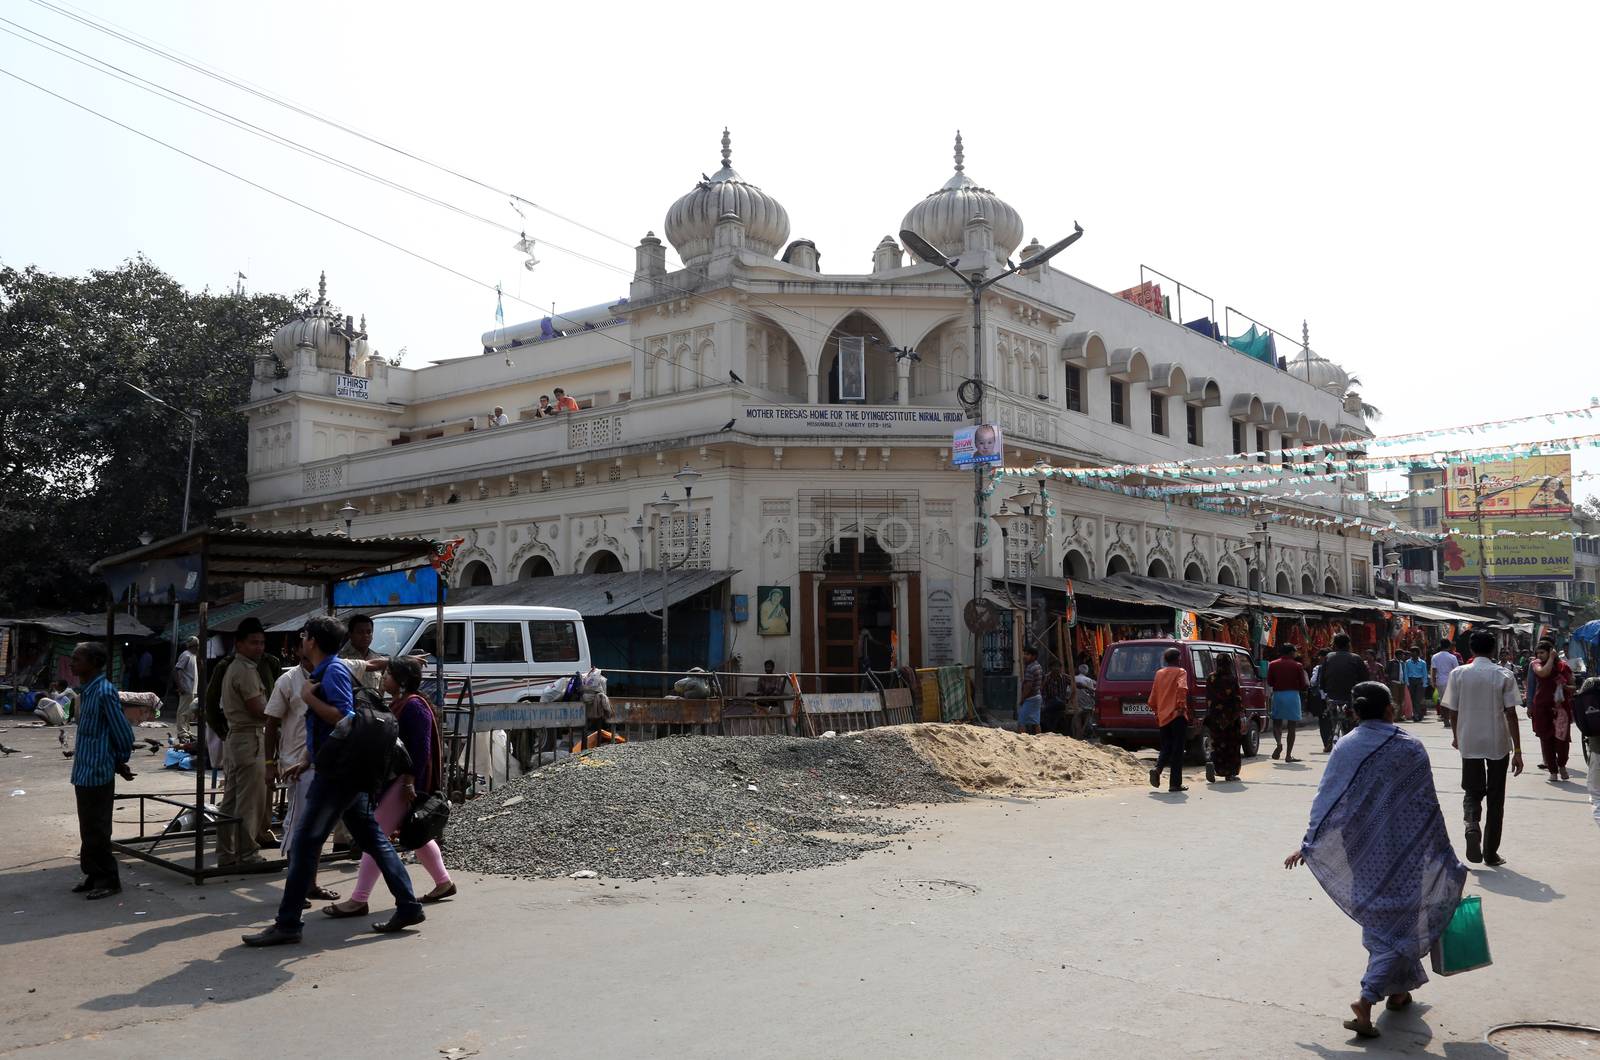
(7,750)
(726,427)
(154,745)
(734,376)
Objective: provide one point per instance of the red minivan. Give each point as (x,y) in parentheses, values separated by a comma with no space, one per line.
(1122,699)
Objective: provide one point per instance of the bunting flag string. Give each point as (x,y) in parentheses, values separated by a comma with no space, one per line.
(1240,462)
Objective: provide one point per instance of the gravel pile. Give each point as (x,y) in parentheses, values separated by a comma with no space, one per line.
(698,805)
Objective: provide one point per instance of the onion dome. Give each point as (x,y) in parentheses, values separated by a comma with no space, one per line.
(316,330)
(942,217)
(1318,370)
(692,220)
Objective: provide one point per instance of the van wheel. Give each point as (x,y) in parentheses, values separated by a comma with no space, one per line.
(1251,742)
(1199,751)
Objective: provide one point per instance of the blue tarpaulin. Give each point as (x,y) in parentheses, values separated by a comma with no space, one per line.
(1588,633)
(419,585)
(1205,326)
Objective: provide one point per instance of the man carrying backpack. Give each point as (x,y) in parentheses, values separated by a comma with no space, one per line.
(353,751)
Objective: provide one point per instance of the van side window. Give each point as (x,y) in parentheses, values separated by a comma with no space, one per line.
(554,641)
(1134,662)
(1200,663)
(497,642)
(455,642)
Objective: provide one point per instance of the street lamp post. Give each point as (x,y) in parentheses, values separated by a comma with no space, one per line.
(348,513)
(660,510)
(977,283)
(193,417)
(1392,567)
(1008,520)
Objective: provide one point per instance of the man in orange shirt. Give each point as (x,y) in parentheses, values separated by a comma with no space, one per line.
(565,403)
(1169,698)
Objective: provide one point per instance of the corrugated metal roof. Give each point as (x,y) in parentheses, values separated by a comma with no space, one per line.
(595,595)
(84,624)
(299,557)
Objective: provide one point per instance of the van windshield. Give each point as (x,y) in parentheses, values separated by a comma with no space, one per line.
(1134,662)
(390,635)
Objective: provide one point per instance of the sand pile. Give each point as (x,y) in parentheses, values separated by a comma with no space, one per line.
(991,761)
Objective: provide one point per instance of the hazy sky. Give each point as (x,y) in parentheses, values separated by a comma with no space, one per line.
(1415,179)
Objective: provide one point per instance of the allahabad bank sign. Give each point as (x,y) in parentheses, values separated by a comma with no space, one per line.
(1526,557)
(1531,486)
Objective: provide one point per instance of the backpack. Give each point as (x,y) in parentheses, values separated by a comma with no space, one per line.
(364,750)
(1586,709)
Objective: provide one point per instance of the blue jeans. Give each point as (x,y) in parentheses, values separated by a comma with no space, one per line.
(325,803)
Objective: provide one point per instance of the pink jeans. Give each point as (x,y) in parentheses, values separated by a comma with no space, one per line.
(390,811)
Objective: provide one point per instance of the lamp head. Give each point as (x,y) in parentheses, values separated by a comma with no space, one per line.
(924,249)
(1048,252)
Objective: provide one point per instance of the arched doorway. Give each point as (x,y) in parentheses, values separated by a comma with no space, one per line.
(1074,565)
(856,610)
(1158,569)
(474,574)
(603,562)
(878,364)
(1283,588)
(1307,586)
(1193,573)
(1116,565)
(1225,576)
(535,567)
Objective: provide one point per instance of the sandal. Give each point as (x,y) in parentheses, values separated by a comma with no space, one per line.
(337,913)
(322,894)
(1363,1030)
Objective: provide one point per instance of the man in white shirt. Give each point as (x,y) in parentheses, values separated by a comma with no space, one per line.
(1480,702)
(1442,665)
(185,673)
(498,417)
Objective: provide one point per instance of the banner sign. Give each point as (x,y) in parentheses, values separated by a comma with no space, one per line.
(353,387)
(791,419)
(841,703)
(419,585)
(529,716)
(983,444)
(1530,485)
(158,581)
(1525,556)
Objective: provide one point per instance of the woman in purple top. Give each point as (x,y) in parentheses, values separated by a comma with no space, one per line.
(419,732)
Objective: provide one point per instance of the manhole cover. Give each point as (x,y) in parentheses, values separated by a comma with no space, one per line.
(1546,1041)
(924,889)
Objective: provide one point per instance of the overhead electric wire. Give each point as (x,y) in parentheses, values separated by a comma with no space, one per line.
(172,95)
(270,97)
(418,255)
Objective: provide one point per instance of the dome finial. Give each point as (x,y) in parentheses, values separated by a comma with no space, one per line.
(960,154)
(727,149)
(322,289)
(1305,337)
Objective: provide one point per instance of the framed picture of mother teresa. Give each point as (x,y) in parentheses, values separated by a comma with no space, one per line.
(772,611)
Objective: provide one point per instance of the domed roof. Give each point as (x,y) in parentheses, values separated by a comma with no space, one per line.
(316,329)
(942,217)
(693,219)
(1317,369)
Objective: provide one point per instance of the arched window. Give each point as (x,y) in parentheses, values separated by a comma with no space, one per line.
(1307,585)
(1225,576)
(1193,573)
(474,574)
(535,567)
(857,555)
(1282,586)
(1331,586)
(1074,565)
(878,362)
(603,562)
(1158,569)
(1116,565)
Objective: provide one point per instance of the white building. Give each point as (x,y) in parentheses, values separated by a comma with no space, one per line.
(729,364)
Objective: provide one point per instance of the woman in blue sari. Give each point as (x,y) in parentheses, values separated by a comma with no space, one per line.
(1377,844)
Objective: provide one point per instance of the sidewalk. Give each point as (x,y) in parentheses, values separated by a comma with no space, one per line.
(1129,924)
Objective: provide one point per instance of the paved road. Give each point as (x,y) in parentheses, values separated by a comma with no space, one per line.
(1124,924)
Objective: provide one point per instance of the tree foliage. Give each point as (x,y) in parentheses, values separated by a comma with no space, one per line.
(87,464)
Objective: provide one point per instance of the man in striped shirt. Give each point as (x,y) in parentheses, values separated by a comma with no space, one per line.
(105,740)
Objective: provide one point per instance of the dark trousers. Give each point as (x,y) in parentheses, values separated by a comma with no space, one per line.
(94,834)
(1554,751)
(1482,777)
(1419,698)
(326,803)
(1328,722)
(1174,735)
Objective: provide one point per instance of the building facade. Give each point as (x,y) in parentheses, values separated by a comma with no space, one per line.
(823,445)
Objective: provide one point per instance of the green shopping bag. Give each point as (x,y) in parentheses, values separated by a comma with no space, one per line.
(1464,944)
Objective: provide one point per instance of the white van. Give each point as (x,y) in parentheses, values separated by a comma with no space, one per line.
(506,651)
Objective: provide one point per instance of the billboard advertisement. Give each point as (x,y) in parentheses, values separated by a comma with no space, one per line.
(1531,485)
(983,444)
(1510,559)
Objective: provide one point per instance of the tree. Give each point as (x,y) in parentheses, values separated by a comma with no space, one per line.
(86,464)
